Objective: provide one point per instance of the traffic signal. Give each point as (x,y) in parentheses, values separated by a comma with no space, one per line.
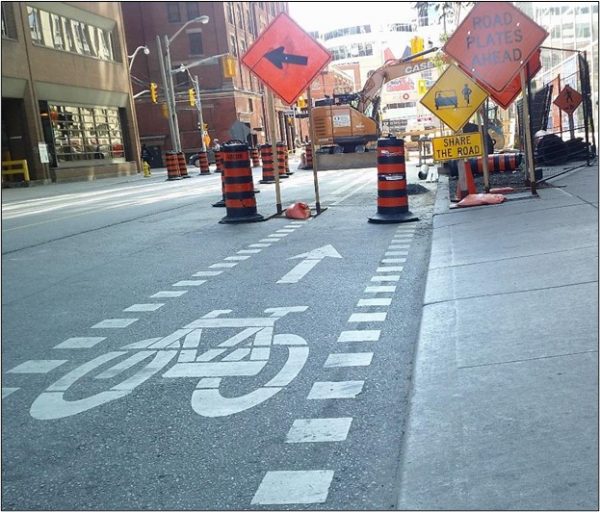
(192,97)
(301,102)
(165,110)
(154,92)
(229,68)
(417,44)
(422,86)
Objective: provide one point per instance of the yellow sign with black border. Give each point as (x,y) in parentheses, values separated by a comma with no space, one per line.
(453,147)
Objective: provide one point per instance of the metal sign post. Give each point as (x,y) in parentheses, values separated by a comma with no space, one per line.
(483,126)
(273,135)
(312,144)
(167,90)
(527,133)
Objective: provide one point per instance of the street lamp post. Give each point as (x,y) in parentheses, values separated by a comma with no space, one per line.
(167,76)
(132,57)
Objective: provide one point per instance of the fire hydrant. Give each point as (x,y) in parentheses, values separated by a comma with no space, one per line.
(147,172)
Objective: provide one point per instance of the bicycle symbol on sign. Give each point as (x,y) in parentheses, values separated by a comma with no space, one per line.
(230,359)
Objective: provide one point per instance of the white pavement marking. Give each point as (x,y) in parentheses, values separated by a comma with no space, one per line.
(285,231)
(394,246)
(367,335)
(367,317)
(268,240)
(338,360)
(290,487)
(396,253)
(330,390)
(168,294)
(259,245)
(236,258)
(380,279)
(319,430)
(389,269)
(190,283)
(223,265)
(143,307)
(293,226)
(207,273)
(38,366)
(8,391)
(393,260)
(114,323)
(87,342)
(249,251)
(299,271)
(374,302)
(277,235)
(380,289)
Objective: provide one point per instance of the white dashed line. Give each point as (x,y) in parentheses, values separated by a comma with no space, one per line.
(349,359)
(143,307)
(277,235)
(399,246)
(394,260)
(8,391)
(349,336)
(285,231)
(374,302)
(367,317)
(189,283)
(237,258)
(389,269)
(168,294)
(38,366)
(87,342)
(207,273)
(223,265)
(249,251)
(259,245)
(380,279)
(269,240)
(319,430)
(331,390)
(114,323)
(290,487)
(380,289)
(396,253)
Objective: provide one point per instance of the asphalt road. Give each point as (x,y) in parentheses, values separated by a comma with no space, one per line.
(153,358)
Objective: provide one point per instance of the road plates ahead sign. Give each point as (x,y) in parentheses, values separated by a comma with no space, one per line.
(568,100)
(494,42)
(467,145)
(454,98)
(286,58)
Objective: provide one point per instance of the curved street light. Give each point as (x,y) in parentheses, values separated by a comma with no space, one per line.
(132,57)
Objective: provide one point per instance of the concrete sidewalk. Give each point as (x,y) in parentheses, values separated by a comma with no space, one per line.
(504,404)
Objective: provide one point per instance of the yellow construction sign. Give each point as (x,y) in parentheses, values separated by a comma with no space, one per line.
(454,98)
(467,145)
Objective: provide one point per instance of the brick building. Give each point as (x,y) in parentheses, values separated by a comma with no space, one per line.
(65,88)
(232,28)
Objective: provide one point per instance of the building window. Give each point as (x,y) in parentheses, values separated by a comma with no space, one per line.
(250,105)
(229,13)
(233,45)
(193,10)
(173,14)
(86,133)
(35,27)
(8,21)
(195,39)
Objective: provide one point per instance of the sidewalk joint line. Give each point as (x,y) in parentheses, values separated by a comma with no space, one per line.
(528,359)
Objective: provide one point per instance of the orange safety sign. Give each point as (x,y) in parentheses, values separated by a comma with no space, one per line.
(568,100)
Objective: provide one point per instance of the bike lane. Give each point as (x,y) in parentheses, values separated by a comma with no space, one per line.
(326,379)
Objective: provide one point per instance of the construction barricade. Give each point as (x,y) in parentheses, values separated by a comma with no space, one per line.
(281,153)
(392,194)
(172,166)
(203,163)
(219,161)
(309,156)
(238,186)
(16,167)
(266,154)
(496,163)
(183,172)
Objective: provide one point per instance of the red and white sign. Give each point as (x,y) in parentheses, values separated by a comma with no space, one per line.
(568,100)
(494,42)
(286,58)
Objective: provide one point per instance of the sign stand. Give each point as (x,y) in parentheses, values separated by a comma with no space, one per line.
(527,133)
(312,144)
(273,136)
(483,131)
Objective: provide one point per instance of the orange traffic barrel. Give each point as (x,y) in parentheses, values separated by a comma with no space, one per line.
(392,194)
(281,152)
(268,174)
(172,166)
(219,161)
(239,188)
(254,155)
(309,156)
(183,172)
(497,163)
(203,161)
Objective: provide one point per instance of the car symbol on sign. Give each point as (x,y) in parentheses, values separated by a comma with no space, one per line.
(445,99)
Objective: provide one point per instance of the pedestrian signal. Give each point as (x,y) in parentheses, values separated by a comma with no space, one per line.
(416,45)
(301,102)
(192,97)
(154,92)
(229,68)
(422,86)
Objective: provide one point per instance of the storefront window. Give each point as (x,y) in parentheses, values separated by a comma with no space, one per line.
(86,133)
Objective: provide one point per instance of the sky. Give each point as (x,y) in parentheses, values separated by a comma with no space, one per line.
(324,16)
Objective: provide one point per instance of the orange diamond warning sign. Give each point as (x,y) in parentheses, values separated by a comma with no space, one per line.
(568,100)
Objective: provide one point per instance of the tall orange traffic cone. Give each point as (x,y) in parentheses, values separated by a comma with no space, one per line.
(471,188)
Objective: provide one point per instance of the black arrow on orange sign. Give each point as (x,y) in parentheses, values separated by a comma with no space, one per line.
(278,58)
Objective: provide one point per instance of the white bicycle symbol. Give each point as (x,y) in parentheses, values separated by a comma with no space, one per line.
(211,366)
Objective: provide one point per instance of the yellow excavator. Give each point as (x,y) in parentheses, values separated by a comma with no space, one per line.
(348,122)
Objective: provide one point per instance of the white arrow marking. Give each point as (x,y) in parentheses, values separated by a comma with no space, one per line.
(311,259)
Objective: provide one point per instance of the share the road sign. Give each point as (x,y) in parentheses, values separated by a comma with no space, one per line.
(494,42)
(467,145)
(286,58)
(454,98)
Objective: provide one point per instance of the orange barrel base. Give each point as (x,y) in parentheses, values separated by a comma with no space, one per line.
(203,161)
(172,166)
(266,153)
(238,186)
(182,167)
(392,194)
(497,163)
